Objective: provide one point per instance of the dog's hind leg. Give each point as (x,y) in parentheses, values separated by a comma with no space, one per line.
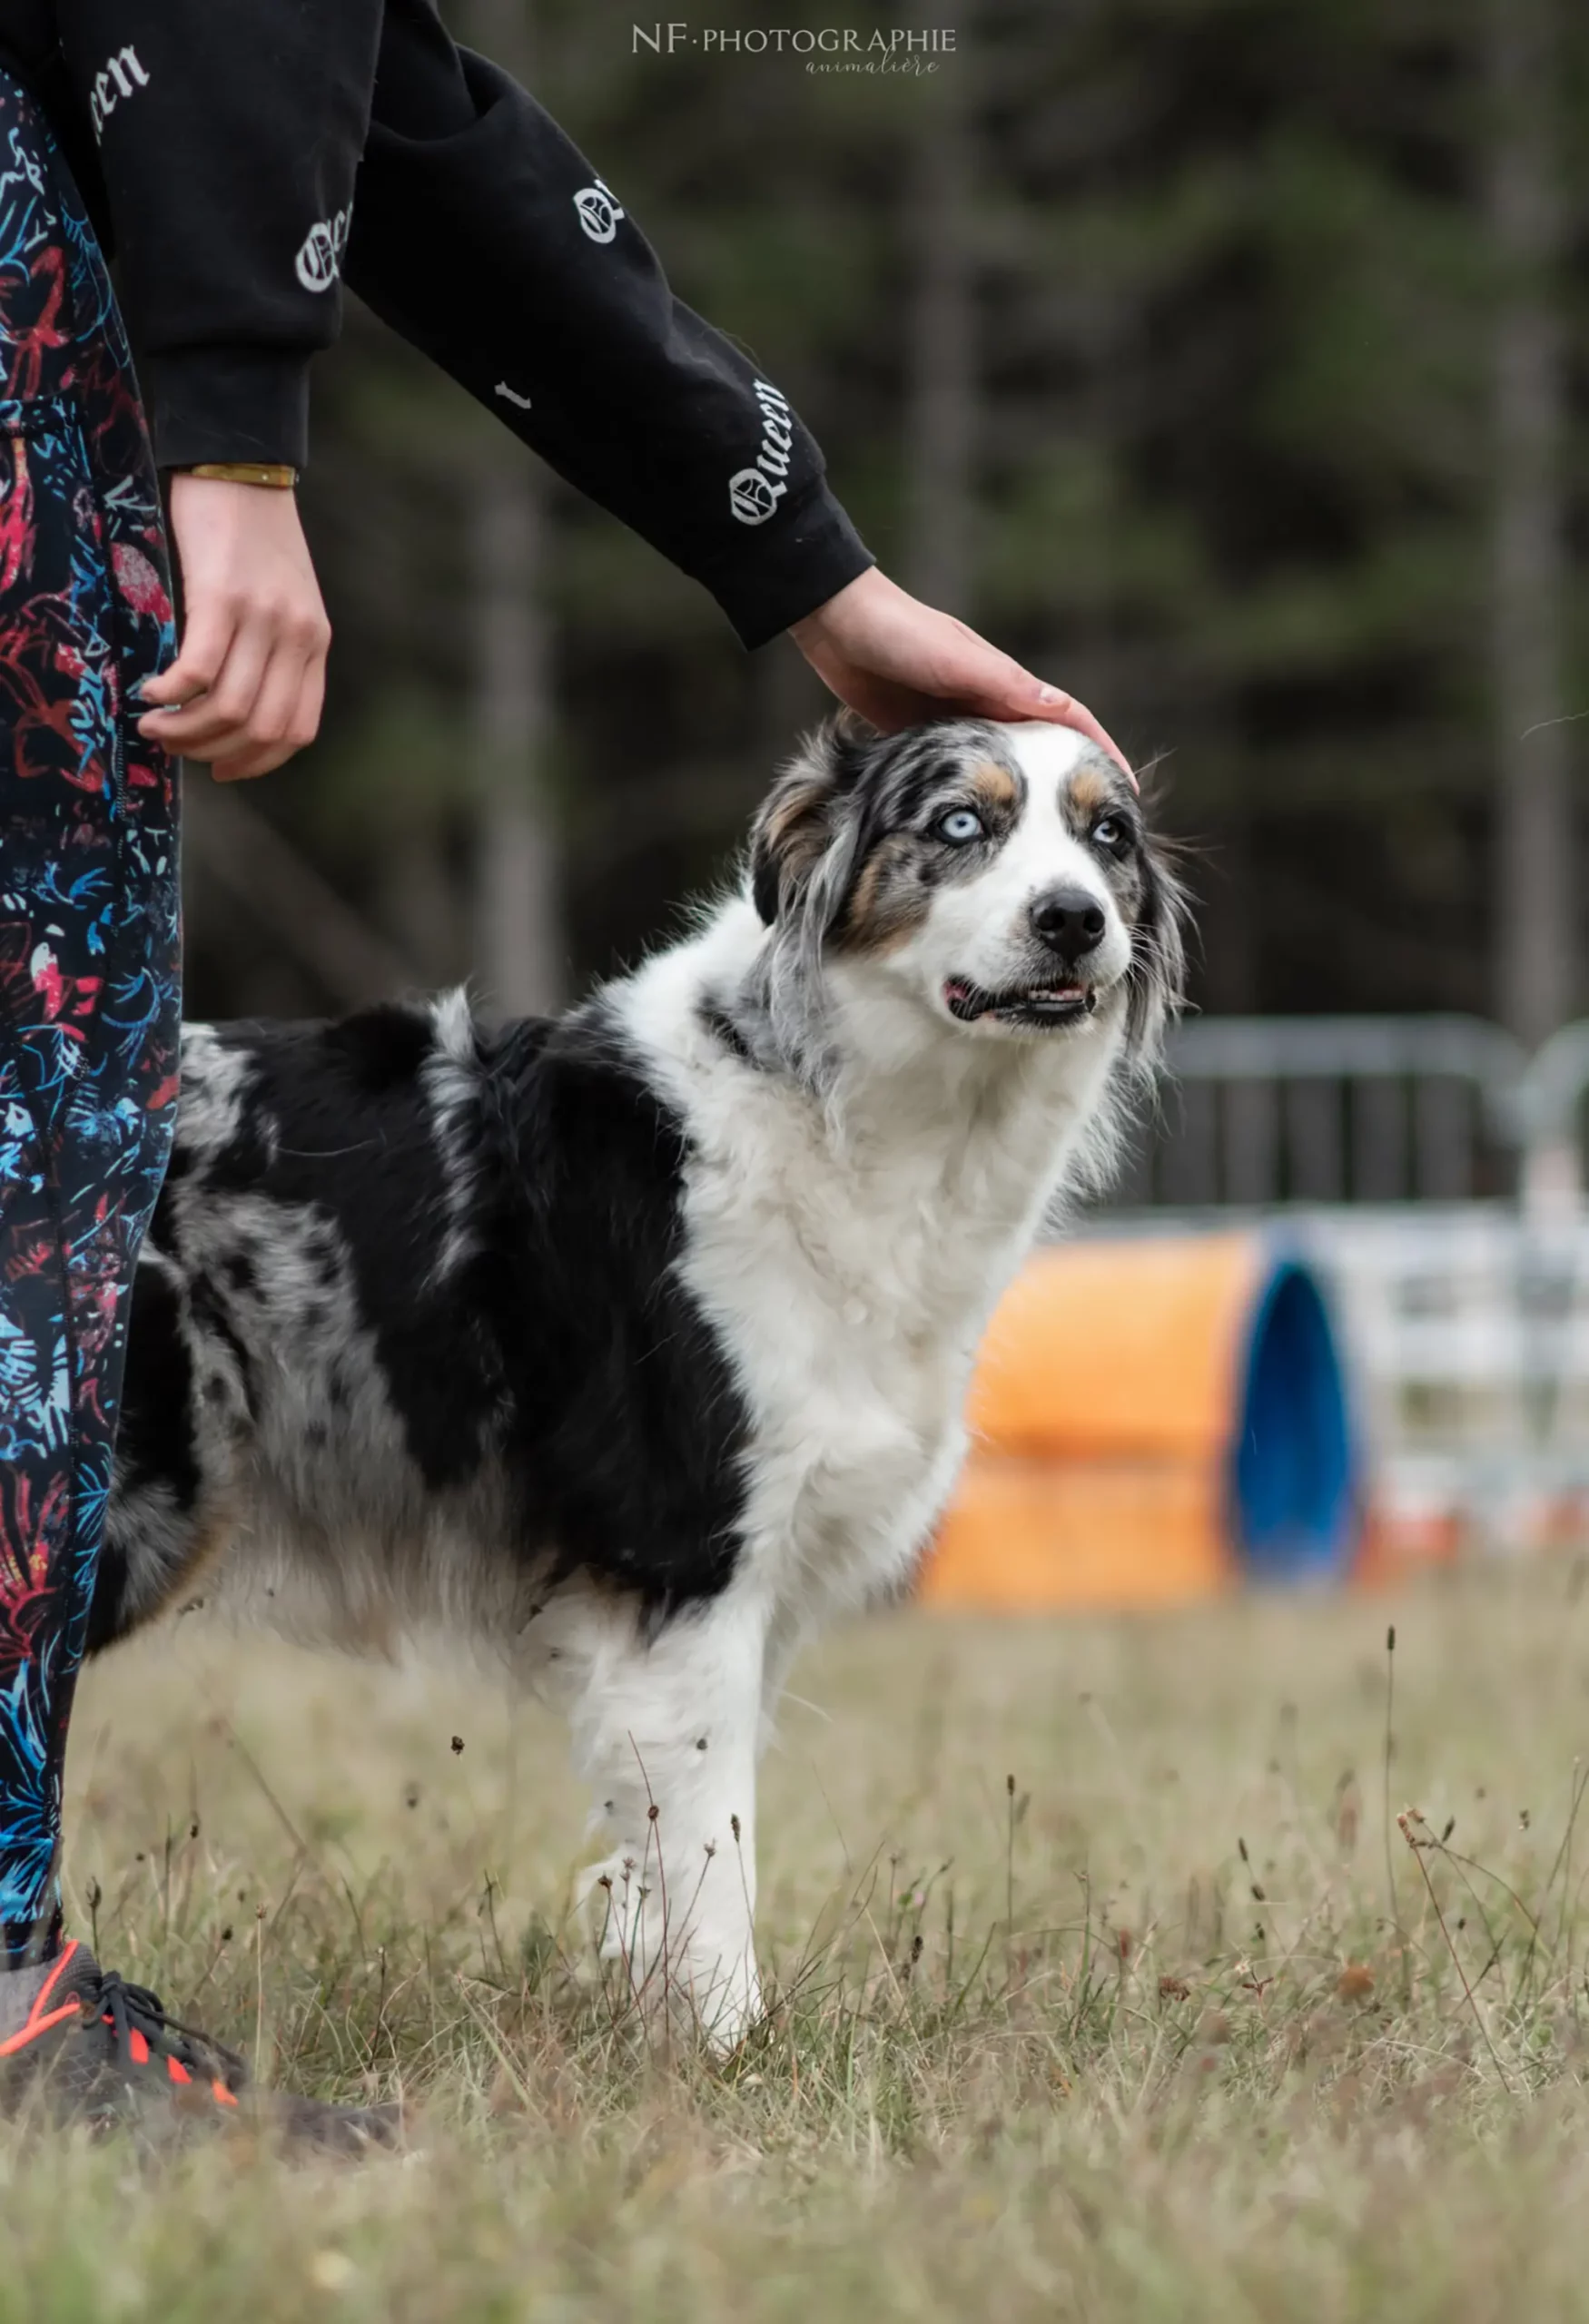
(666,1724)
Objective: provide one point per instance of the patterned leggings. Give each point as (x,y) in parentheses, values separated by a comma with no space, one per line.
(90,995)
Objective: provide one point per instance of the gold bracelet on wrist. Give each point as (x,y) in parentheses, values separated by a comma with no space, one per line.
(274,473)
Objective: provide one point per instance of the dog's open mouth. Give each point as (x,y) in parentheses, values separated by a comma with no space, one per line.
(1038,1005)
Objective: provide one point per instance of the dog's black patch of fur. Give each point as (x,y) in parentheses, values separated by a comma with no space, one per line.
(629,1422)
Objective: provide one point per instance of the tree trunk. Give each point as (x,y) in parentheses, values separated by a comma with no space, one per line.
(519,954)
(237,850)
(941,385)
(1536,965)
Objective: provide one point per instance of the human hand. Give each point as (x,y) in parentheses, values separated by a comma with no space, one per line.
(248,683)
(898,662)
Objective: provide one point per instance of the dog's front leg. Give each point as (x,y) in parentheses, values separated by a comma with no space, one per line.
(664,1723)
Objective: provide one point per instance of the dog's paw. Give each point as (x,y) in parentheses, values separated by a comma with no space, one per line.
(678,1968)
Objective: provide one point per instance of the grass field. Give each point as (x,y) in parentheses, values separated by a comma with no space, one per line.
(1175,2029)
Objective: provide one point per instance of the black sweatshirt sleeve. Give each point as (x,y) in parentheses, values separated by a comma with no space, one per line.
(229,135)
(481,234)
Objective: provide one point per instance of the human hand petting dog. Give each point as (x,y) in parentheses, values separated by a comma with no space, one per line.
(246,688)
(900,663)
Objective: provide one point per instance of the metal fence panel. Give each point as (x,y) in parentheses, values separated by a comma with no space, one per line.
(1258,1111)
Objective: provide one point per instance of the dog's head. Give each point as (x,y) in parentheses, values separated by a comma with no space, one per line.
(1001,879)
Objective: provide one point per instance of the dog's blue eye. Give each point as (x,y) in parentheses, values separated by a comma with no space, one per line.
(1109,832)
(960,826)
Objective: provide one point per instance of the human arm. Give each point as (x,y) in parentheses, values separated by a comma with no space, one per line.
(467,235)
(483,235)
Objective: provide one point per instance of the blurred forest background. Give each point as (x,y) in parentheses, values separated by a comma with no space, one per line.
(1224,358)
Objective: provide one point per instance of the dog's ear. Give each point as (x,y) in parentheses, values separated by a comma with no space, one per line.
(799,820)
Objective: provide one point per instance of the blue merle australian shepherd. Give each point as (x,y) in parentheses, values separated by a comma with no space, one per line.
(631,1344)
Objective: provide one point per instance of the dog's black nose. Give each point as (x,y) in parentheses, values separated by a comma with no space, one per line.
(1068,921)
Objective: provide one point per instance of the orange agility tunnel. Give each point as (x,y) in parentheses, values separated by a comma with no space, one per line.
(1154,1418)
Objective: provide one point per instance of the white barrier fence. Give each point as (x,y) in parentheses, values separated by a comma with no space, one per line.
(1467,1337)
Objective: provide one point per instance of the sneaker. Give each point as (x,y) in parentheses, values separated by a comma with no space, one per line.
(93,2048)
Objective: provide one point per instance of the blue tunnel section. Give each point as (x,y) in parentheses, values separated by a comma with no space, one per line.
(1295,1504)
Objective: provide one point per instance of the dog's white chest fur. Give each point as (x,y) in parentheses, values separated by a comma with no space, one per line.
(849,1255)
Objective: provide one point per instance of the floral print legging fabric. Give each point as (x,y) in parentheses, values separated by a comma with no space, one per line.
(90,992)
